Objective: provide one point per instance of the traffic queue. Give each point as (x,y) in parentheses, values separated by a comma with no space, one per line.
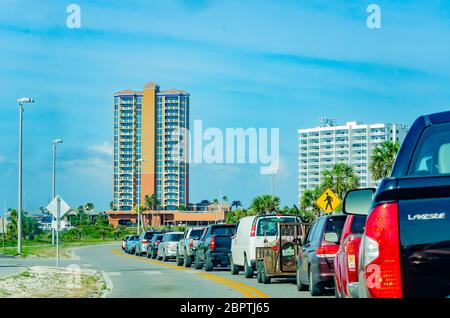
(389,242)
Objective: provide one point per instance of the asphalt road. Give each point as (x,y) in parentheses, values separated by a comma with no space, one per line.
(136,277)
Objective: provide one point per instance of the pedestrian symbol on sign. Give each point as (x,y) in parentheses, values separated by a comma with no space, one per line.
(328,202)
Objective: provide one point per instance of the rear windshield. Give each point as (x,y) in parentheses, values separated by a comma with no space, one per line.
(134,238)
(335,224)
(196,233)
(224,230)
(174,237)
(270,225)
(358,224)
(158,237)
(149,235)
(432,155)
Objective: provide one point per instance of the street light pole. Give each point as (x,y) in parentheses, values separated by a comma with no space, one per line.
(138,165)
(55,142)
(21,101)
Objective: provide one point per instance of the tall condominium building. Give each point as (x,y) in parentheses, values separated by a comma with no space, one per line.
(144,144)
(322,147)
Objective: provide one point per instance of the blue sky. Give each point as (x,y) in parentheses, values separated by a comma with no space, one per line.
(248,63)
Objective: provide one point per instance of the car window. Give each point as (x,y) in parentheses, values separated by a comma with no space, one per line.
(358,224)
(174,237)
(196,233)
(311,231)
(224,230)
(269,226)
(149,235)
(432,154)
(335,224)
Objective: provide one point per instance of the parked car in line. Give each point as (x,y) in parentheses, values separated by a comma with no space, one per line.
(152,247)
(405,249)
(167,249)
(124,241)
(252,232)
(187,245)
(214,247)
(315,262)
(346,260)
(130,245)
(144,240)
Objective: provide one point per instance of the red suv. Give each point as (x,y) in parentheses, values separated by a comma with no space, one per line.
(346,260)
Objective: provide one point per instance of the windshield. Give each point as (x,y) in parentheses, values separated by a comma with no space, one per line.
(173,237)
(196,233)
(270,225)
(224,230)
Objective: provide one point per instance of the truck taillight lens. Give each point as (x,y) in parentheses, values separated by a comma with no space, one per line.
(351,260)
(253,231)
(191,244)
(156,243)
(382,252)
(212,244)
(327,250)
(144,242)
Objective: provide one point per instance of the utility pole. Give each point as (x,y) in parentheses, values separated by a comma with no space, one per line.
(55,142)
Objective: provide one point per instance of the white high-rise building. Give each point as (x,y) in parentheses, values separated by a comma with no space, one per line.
(322,147)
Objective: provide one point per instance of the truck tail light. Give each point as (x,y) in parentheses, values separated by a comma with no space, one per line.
(253,231)
(327,250)
(156,243)
(212,244)
(144,242)
(191,244)
(382,252)
(352,255)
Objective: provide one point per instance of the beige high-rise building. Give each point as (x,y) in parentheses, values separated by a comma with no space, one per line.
(144,122)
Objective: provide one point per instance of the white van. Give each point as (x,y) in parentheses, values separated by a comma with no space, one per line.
(253,232)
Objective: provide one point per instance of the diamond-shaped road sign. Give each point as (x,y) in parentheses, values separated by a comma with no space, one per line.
(53,207)
(328,202)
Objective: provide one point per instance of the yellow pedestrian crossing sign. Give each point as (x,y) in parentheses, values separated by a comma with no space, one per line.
(328,202)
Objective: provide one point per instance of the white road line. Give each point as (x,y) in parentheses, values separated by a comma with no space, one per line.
(113,273)
(153,272)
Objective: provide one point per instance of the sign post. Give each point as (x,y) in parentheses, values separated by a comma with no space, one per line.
(328,202)
(58,207)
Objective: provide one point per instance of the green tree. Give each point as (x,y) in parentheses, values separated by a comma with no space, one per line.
(151,202)
(341,178)
(382,159)
(236,204)
(265,204)
(225,198)
(308,200)
(182,208)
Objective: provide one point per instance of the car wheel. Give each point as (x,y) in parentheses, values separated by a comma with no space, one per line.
(233,267)
(197,264)
(298,279)
(314,288)
(248,270)
(264,277)
(187,260)
(259,272)
(209,266)
(179,260)
(153,254)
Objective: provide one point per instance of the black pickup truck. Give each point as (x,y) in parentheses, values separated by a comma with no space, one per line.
(214,247)
(405,250)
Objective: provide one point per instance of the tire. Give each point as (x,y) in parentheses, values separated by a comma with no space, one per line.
(259,272)
(264,278)
(197,264)
(154,255)
(187,260)
(149,255)
(179,260)
(234,269)
(248,270)
(298,280)
(209,266)
(314,288)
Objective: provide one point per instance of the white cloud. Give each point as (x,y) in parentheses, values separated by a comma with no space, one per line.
(106,148)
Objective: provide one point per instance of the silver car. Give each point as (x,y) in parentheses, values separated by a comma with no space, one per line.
(168,247)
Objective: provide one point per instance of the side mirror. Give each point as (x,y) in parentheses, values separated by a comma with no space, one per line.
(358,202)
(331,237)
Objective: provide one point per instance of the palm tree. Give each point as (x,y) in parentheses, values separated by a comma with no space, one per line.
(89,206)
(382,159)
(308,200)
(225,198)
(216,201)
(265,204)
(151,202)
(236,204)
(341,178)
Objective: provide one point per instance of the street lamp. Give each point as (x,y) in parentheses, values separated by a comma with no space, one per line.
(21,101)
(138,165)
(55,142)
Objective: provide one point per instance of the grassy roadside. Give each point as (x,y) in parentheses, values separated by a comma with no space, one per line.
(46,250)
